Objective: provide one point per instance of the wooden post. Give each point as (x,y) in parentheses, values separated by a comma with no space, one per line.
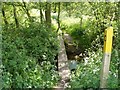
(106,57)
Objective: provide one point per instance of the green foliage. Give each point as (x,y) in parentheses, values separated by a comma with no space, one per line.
(28,53)
(80,36)
(113,77)
(88,73)
(28,56)
(38,38)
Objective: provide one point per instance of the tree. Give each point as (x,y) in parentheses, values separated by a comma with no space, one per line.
(15,15)
(27,11)
(41,14)
(58,20)
(4,15)
(48,14)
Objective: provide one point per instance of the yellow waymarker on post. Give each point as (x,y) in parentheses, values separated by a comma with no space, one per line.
(106,57)
(108,40)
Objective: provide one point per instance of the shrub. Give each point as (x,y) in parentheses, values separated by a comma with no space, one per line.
(80,36)
(24,52)
(88,73)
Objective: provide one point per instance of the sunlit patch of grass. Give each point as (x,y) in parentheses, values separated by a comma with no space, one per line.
(70,20)
(34,12)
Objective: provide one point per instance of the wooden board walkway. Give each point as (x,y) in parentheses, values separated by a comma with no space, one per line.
(63,66)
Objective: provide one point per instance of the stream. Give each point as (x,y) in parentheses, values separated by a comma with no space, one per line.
(73,53)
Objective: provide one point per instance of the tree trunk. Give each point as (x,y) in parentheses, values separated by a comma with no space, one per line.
(27,11)
(55,5)
(15,16)
(41,14)
(58,20)
(48,14)
(4,16)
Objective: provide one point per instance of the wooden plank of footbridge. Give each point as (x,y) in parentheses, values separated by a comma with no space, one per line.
(63,67)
